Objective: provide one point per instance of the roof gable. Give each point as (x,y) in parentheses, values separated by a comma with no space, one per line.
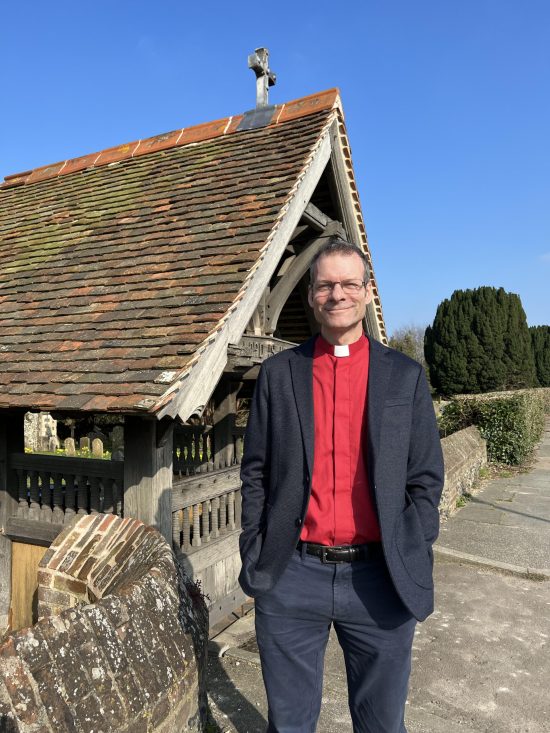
(111,277)
(177,138)
(125,275)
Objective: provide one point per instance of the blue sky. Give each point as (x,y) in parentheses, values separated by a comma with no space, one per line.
(447,106)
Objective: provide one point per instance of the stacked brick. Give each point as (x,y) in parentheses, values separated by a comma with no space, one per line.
(120,645)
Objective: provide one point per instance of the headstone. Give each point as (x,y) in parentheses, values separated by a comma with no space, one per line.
(97,448)
(53,444)
(117,455)
(31,431)
(69,447)
(97,433)
(117,438)
(85,443)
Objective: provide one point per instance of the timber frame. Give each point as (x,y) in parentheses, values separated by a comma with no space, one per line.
(259,306)
(183,443)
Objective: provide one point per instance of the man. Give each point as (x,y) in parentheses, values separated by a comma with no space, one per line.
(342,475)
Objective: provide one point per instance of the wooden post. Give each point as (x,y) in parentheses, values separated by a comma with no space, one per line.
(12,440)
(225,411)
(148,472)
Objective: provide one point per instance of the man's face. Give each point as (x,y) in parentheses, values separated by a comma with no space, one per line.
(339,310)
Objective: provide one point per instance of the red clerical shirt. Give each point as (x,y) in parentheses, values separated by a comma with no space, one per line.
(341,510)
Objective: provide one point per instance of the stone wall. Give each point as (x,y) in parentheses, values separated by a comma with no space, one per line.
(120,645)
(464,452)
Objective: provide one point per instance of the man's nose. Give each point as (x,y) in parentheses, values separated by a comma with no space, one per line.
(337,291)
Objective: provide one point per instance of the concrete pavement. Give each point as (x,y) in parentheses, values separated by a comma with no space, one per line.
(481,662)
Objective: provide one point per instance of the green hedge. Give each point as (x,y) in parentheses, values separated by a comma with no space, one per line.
(512,423)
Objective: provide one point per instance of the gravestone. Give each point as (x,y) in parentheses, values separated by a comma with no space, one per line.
(117,438)
(53,444)
(69,447)
(85,443)
(31,431)
(97,448)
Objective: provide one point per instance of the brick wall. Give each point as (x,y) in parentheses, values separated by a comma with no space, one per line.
(120,645)
(464,452)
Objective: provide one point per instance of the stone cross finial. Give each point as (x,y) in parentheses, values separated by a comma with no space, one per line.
(265,78)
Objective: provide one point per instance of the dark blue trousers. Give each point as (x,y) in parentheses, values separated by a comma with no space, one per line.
(374,629)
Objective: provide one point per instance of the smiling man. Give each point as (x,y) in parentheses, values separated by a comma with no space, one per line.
(342,475)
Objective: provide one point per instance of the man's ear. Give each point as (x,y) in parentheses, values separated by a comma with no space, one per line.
(310,296)
(368,289)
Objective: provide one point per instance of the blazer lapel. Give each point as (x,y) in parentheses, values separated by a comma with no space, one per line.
(301,367)
(379,375)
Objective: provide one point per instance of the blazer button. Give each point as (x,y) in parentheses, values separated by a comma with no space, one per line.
(297,522)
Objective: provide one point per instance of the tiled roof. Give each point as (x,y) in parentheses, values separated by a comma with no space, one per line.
(116,267)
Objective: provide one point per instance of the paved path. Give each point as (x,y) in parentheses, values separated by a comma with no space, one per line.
(481,662)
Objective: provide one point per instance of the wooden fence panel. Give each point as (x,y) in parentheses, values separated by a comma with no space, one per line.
(51,490)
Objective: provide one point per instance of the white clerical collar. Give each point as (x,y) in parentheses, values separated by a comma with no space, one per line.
(341,350)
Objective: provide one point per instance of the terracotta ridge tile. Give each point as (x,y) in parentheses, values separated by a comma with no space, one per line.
(286,111)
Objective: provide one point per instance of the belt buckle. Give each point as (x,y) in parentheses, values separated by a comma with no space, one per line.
(326,561)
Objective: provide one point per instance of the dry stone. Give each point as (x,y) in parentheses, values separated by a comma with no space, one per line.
(464,454)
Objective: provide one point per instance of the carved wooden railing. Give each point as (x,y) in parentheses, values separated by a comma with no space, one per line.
(205,508)
(194,450)
(51,490)
(261,347)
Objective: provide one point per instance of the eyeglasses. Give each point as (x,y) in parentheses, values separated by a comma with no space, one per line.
(350,287)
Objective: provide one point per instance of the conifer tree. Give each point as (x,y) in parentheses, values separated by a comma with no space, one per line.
(540,341)
(479,342)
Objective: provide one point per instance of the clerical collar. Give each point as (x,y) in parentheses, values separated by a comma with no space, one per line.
(341,349)
(324,347)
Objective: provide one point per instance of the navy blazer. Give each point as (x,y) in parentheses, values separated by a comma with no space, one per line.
(404,463)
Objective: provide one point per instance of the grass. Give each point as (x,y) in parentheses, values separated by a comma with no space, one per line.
(463,499)
(84,453)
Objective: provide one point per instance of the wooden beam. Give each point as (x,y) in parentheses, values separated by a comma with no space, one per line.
(313,325)
(348,201)
(12,440)
(148,473)
(315,217)
(225,412)
(201,487)
(300,229)
(293,274)
(33,532)
(5,583)
(255,324)
(241,367)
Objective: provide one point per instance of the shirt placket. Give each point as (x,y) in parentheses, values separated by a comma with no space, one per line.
(342,452)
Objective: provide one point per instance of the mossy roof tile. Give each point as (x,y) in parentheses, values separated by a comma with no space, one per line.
(119,265)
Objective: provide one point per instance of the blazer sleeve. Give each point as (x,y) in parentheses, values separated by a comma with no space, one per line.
(256,464)
(425,471)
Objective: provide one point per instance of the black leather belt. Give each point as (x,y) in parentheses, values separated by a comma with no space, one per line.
(341,553)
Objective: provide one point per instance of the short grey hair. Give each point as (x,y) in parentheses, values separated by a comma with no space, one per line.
(336,245)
